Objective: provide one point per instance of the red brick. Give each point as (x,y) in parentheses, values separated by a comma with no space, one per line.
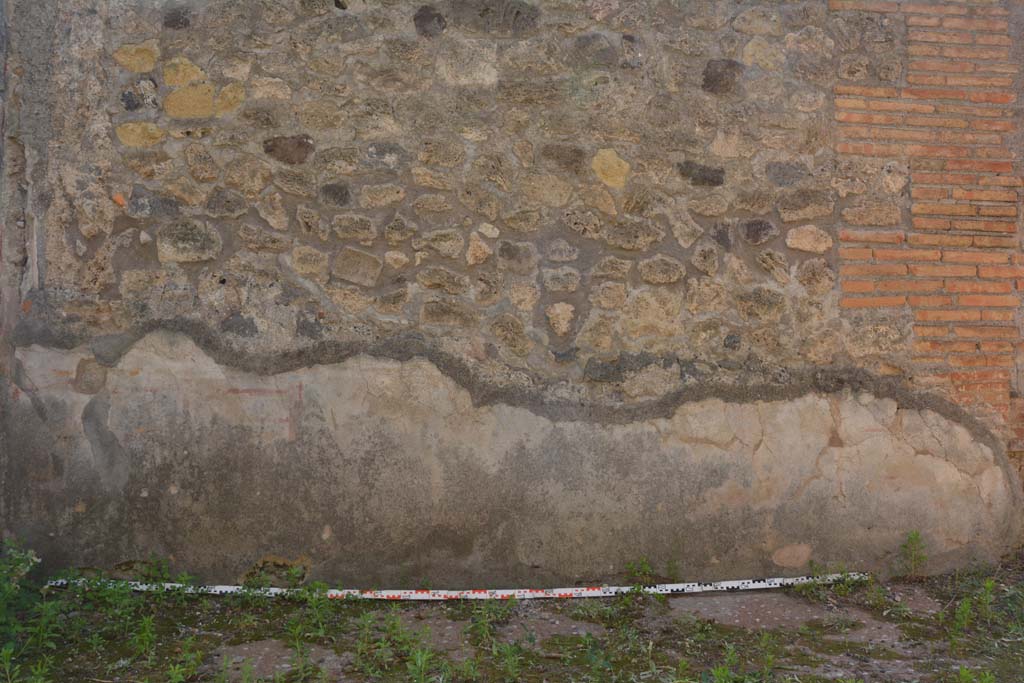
(944,346)
(850,103)
(980,81)
(930,223)
(1000,271)
(872,301)
(978,286)
(931,331)
(857,286)
(983,39)
(941,270)
(864,5)
(988,241)
(1007,126)
(930,22)
(974,257)
(944,65)
(909,285)
(1000,181)
(908,254)
(993,97)
(938,316)
(922,8)
(930,301)
(879,236)
(889,105)
(973,165)
(981,361)
(937,122)
(855,254)
(1006,211)
(869,133)
(940,37)
(986,195)
(934,94)
(929,193)
(869,149)
(865,91)
(944,178)
(972,52)
(943,209)
(941,240)
(979,375)
(984,226)
(864,117)
(926,79)
(989,300)
(975,24)
(985,332)
(873,269)
(973,110)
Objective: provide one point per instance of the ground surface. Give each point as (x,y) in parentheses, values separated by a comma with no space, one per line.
(958,628)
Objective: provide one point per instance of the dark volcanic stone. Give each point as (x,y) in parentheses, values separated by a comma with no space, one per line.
(568,157)
(130,100)
(699,174)
(386,154)
(337,194)
(721,76)
(291,149)
(147,204)
(429,22)
(226,203)
(758,231)
(495,16)
(178,18)
(784,173)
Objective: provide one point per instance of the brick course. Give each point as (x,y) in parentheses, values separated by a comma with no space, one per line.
(955,266)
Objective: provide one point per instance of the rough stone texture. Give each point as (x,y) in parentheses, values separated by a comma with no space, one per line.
(569,229)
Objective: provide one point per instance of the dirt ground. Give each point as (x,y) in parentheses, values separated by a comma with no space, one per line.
(960,628)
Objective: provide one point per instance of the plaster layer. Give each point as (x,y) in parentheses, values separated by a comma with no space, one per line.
(382,471)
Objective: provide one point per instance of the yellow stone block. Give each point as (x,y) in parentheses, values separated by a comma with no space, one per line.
(139,134)
(230,98)
(191,102)
(610,168)
(181,71)
(139,57)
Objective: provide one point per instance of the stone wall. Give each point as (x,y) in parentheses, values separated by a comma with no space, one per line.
(497,289)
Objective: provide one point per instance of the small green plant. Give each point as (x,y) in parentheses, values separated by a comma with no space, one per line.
(144,638)
(509,660)
(176,673)
(15,564)
(469,670)
(912,555)
(294,575)
(485,619)
(10,669)
(317,608)
(640,572)
(963,617)
(986,599)
(965,675)
(598,662)
(419,665)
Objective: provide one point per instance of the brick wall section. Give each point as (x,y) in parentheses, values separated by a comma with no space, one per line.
(954,261)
